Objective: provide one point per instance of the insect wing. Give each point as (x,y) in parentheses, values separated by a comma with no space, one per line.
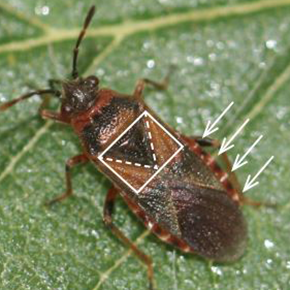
(207,219)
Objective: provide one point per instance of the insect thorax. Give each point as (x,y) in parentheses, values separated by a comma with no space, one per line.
(109,122)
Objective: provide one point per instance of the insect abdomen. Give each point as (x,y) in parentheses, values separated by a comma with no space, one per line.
(210,222)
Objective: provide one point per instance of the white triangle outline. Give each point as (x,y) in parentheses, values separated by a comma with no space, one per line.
(137,191)
(120,161)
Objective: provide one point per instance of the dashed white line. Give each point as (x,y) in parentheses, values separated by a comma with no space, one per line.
(150,135)
(127,162)
(138,164)
(224,177)
(151,143)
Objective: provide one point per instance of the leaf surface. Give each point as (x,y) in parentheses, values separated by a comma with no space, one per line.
(226,50)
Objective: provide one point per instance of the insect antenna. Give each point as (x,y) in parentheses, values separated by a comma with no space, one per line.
(7,105)
(88,20)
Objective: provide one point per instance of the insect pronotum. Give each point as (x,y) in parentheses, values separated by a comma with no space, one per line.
(192,203)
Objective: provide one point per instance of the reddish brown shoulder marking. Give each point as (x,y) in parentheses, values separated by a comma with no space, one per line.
(81,120)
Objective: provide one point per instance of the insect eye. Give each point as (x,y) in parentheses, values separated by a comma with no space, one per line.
(91,81)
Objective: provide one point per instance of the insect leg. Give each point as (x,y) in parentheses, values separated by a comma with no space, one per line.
(76,160)
(51,115)
(214,143)
(44,113)
(88,19)
(108,211)
(206,142)
(55,116)
(142,83)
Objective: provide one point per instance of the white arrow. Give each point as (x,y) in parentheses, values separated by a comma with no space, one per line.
(239,162)
(210,128)
(250,183)
(225,146)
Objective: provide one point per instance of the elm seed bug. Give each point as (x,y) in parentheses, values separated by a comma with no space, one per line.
(192,203)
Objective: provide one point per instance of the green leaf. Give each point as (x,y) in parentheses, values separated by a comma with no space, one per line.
(226,50)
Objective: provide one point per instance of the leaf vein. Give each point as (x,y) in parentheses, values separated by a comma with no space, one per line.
(131,27)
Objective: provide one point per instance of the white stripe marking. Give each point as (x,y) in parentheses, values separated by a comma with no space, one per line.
(147,124)
(210,161)
(224,177)
(127,162)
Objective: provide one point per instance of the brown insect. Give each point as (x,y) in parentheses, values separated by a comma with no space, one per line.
(191,203)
